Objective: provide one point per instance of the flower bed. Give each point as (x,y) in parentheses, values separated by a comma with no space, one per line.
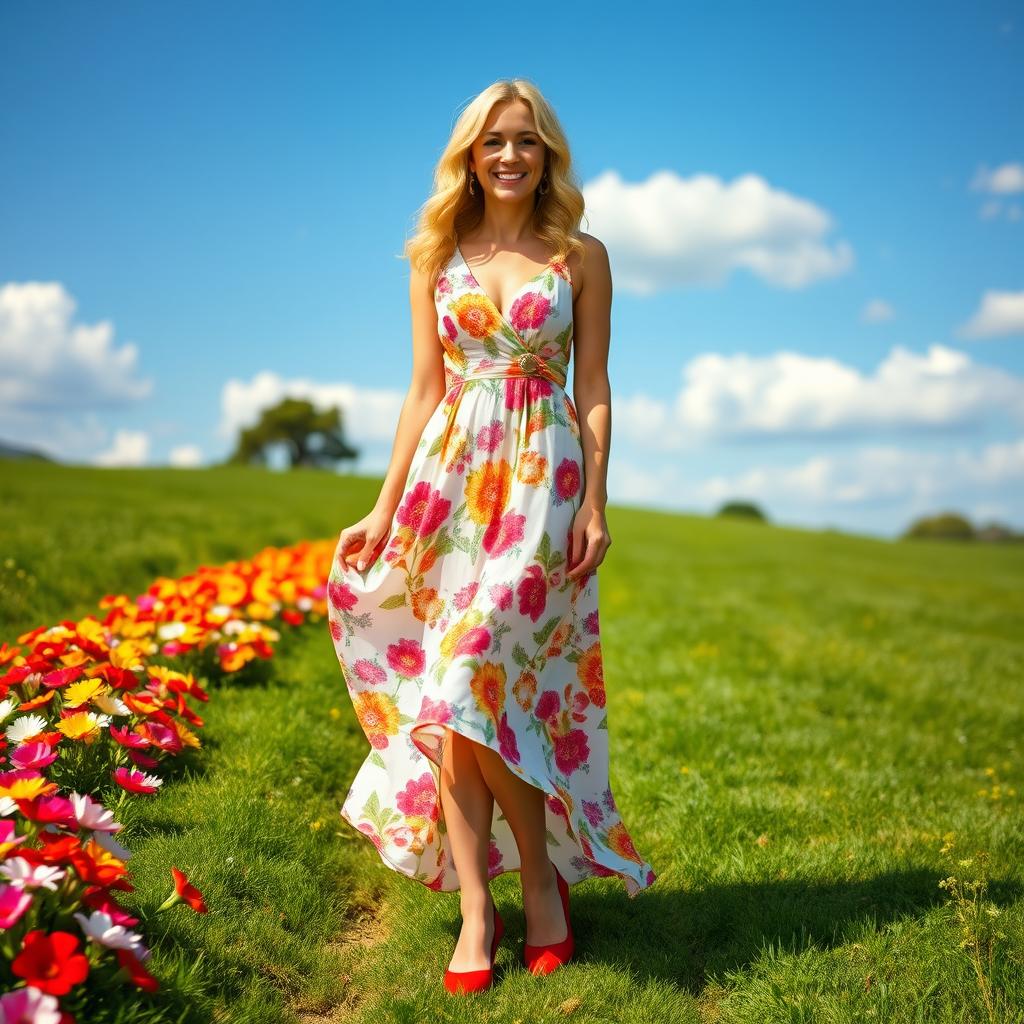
(91,712)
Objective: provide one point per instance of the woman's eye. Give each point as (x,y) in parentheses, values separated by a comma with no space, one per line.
(526,142)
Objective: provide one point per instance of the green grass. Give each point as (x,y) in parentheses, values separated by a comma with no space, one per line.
(797,719)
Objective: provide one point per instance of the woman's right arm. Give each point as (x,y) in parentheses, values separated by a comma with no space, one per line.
(361,540)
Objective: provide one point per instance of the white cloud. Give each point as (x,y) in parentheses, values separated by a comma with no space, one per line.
(885,486)
(876,311)
(787,394)
(186,455)
(129,448)
(48,362)
(1004,180)
(1000,314)
(877,474)
(368,414)
(670,231)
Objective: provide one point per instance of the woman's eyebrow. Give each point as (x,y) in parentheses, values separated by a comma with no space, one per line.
(525,131)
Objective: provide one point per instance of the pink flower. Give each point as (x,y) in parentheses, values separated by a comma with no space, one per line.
(14,901)
(529,311)
(567,479)
(474,641)
(30,1005)
(591,623)
(503,532)
(407,658)
(368,830)
(368,672)
(507,740)
(463,597)
(533,592)
(571,750)
(33,755)
(501,595)
(136,782)
(435,711)
(494,866)
(340,595)
(593,812)
(520,390)
(423,509)
(419,798)
(488,438)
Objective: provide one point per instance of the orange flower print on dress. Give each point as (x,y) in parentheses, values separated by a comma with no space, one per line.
(488,688)
(467,622)
(487,490)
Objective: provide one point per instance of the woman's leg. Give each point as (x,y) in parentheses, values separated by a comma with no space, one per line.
(468,807)
(523,807)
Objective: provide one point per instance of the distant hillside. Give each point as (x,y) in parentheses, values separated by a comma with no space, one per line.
(15,451)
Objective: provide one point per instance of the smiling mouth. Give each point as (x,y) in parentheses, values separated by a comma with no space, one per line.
(503,176)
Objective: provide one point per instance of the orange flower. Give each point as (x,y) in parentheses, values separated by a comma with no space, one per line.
(487,491)
(475,315)
(525,689)
(620,842)
(426,605)
(377,714)
(533,467)
(488,686)
(590,669)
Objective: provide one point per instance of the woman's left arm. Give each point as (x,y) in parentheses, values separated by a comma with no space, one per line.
(592,398)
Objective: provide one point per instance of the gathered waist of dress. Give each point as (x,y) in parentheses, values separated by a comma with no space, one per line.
(529,364)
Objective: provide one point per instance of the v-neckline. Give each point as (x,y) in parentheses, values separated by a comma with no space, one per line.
(480,288)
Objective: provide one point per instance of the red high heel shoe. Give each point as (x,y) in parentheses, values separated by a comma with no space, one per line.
(544,959)
(467,982)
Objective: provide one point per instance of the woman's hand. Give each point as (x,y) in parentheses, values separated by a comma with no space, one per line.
(590,540)
(362,542)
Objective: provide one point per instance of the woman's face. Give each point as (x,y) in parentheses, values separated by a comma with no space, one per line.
(509,142)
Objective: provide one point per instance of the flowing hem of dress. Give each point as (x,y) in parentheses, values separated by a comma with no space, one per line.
(598,870)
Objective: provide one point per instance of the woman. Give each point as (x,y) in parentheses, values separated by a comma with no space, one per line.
(464,608)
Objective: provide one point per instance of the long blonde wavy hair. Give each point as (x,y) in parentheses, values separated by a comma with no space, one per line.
(451,212)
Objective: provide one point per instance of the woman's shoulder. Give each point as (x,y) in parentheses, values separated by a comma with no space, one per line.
(595,255)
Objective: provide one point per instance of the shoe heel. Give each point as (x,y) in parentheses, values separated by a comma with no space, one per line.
(540,960)
(468,982)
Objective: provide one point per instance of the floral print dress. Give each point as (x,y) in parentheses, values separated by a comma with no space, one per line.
(466,620)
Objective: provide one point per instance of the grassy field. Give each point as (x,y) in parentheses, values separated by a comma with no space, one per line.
(799,722)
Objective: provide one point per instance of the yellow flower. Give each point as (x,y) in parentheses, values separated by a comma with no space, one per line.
(83,691)
(80,726)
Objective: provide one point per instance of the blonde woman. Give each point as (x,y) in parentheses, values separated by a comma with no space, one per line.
(464,607)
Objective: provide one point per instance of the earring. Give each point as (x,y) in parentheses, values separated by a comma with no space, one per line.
(542,188)
(472,178)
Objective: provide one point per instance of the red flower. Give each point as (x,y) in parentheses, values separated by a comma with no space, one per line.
(547,706)
(507,740)
(51,963)
(567,479)
(533,592)
(188,892)
(137,974)
(571,750)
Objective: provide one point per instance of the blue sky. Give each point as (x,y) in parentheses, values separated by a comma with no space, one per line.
(815,218)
